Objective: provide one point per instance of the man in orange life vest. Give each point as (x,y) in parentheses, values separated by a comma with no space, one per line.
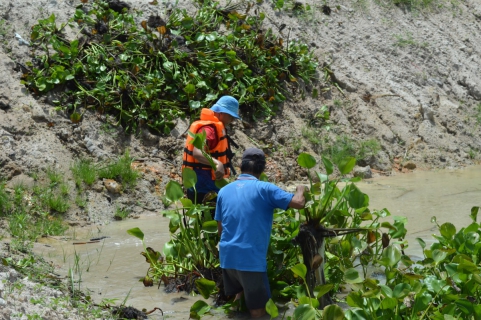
(213,122)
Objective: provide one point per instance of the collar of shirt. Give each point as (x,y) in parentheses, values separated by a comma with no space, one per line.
(245,176)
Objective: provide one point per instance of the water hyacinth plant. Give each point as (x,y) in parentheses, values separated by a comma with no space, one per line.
(192,254)
(152,72)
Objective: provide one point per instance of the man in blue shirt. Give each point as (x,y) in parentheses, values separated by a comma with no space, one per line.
(244,215)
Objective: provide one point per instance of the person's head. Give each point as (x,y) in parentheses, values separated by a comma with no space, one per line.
(226,109)
(253,161)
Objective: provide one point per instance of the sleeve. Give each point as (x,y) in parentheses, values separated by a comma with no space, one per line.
(218,209)
(278,197)
(210,135)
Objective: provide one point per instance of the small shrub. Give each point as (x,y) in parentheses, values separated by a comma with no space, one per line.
(311,135)
(121,171)
(84,172)
(346,147)
(5,202)
(54,177)
(121,213)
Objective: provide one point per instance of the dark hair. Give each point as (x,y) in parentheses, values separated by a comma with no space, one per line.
(256,166)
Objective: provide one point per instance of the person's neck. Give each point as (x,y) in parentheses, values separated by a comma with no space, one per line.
(252,174)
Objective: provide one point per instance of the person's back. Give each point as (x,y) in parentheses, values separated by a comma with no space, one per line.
(213,123)
(247,221)
(244,214)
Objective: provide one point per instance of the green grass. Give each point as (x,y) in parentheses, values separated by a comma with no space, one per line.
(121,213)
(121,171)
(55,177)
(346,147)
(311,135)
(84,171)
(407,40)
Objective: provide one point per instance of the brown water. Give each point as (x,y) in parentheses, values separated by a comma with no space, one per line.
(111,268)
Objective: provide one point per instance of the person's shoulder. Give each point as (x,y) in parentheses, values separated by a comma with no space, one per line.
(268,185)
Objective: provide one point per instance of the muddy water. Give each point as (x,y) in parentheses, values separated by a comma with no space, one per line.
(448,195)
(111,268)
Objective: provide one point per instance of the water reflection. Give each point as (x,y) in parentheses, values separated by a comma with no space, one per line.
(112,267)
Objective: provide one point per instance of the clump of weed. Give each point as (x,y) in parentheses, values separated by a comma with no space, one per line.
(121,213)
(345,146)
(121,170)
(84,171)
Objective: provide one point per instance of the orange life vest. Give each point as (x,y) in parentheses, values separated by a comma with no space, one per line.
(207,117)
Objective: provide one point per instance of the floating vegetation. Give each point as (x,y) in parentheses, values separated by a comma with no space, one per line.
(153,72)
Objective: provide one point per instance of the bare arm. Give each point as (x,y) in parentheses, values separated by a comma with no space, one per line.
(219,172)
(219,228)
(298,201)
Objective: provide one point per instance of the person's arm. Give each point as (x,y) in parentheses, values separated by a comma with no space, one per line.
(219,228)
(211,141)
(219,172)
(298,201)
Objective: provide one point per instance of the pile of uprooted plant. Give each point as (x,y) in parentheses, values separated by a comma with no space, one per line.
(152,72)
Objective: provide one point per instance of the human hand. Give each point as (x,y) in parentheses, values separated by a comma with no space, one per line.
(302,188)
(219,171)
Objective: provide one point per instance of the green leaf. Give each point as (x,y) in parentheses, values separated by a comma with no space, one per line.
(221,183)
(231,54)
(448,230)
(198,309)
(193,104)
(305,160)
(210,226)
(435,285)
(210,37)
(321,290)
(388,303)
(474,213)
(356,198)
(438,255)
(300,270)
(304,312)
(173,191)
(352,276)
(189,89)
(401,290)
(187,22)
(189,177)
(421,243)
(170,249)
(328,165)
(346,165)
(136,232)
(206,287)
(467,267)
(332,312)
(311,301)
(271,309)
(465,306)
(390,256)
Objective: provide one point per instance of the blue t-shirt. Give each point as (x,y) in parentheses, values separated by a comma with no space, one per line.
(245,207)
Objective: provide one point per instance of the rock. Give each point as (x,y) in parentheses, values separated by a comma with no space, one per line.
(113,186)
(409,165)
(4,102)
(180,128)
(363,172)
(38,114)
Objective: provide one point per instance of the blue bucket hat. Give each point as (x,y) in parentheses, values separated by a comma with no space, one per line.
(227,104)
